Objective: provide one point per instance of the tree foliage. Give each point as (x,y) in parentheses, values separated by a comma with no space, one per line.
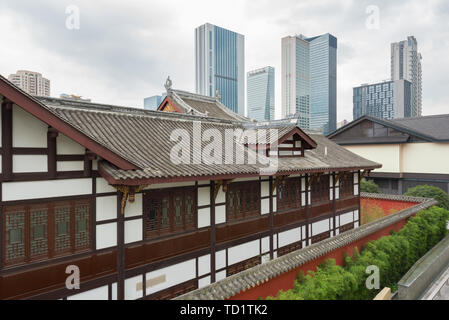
(369,186)
(427,191)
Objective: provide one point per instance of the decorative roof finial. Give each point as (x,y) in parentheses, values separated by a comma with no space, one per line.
(218,95)
(168,83)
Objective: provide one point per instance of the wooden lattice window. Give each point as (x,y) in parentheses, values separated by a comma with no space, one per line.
(289,194)
(45,230)
(169,211)
(241,266)
(321,237)
(320,189)
(243,200)
(174,291)
(346,185)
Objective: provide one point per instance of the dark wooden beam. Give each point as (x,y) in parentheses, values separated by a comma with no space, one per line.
(120,248)
(7,140)
(51,158)
(213,236)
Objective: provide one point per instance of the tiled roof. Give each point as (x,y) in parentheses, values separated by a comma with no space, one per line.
(259,274)
(143,138)
(203,105)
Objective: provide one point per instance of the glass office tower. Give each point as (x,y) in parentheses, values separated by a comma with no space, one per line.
(220,65)
(261,94)
(309,80)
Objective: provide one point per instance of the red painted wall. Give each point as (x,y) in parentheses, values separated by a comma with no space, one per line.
(386,205)
(286,280)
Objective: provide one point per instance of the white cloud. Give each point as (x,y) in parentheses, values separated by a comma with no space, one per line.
(124,50)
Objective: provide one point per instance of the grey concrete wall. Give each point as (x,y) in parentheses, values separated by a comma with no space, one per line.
(424,272)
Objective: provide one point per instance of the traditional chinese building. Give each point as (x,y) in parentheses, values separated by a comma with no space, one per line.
(95,186)
(412,151)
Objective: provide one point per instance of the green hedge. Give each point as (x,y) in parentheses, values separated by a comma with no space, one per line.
(369,186)
(394,255)
(427,191)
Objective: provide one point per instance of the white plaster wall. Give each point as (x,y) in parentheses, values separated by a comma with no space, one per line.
(133,230)
(220,214)
(275,241)
(221,196)
(106,208)
(203,217)
(69,165)
(346,218)
(265,206)
(265,244)
(65,145)
(290,236)
(45,189)
(264,188)
(203,282)
(29,163)
(27,130)
(174,275)
(243,251)
(131,292)
(320,227)
(100,293)
(220,275)
(106,235)
(220,259)
(245,179)
(133,209)
(356,215)
(203,196)
(203,265)
(386,154)
(103,186)
(425,157)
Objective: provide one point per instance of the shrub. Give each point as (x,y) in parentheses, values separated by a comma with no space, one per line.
(369,186)
(393,255)
(426,191)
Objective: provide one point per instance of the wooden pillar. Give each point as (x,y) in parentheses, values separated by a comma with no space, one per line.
(120,249)
(270,187)
(213,238)
(51,158)
(88,158)
(334,203)
(307,211)
(7,140)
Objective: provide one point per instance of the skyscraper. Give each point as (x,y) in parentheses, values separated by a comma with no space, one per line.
(406,64)
(260,94)
(31,82)
(220,65)
(153,102)
(309,80)
(387,99)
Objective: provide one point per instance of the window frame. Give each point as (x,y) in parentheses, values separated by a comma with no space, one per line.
(346,185)
(243,188)
(319,193)
(160,195)
(283,205)
(49,230)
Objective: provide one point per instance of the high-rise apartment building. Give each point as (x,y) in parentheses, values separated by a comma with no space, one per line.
(406,64)
(31,82)
(220,65)
(386,100)
(260,94)
(309,80)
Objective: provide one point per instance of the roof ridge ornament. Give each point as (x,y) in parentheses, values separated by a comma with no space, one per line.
(168,84)
(217,95)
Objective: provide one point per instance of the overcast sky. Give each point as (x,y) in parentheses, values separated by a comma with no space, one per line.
(124,50)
